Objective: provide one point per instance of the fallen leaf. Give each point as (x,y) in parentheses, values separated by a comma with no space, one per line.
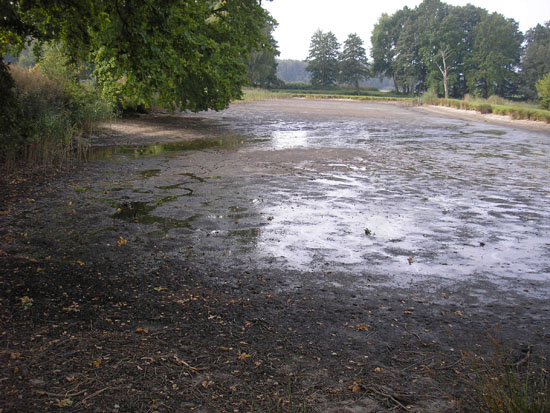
(410,259)
(142,330)
(70,379)
(243,356)
(70,204)
(26,302)
(81,263)
(378,370)
(121,242)
(160,289)
(97,362)
(362,327)
(207,383)
(222,348)
(355,388)
(64,403)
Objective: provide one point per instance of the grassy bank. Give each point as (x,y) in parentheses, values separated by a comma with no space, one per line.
(494,105)
(254,95)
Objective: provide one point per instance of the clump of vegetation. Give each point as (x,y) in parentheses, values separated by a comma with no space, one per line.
(543,90)
(504,385)
(52,107)
(514,110)
(254,95)
(429,97)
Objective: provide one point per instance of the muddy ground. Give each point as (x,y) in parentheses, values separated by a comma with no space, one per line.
(289,255)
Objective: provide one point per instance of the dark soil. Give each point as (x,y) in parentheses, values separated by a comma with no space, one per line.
(98,314)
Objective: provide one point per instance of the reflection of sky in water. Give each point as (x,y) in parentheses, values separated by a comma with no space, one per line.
(322,225)
(288,139)
(460,200)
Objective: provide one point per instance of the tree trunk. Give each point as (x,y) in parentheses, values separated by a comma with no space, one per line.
(445,70)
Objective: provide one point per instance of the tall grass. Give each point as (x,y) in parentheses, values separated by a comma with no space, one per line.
(503,385)
(494,104)
(54,108)
(254,95)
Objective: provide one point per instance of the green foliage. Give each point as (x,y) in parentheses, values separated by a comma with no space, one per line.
(514,110)
(323,59)
(353,62)
(52,107)
(503,385)
(261,65)
(255,94)
(481,50)
(495,56)
(543,90)
(188,55)
(536,58)
(10,113)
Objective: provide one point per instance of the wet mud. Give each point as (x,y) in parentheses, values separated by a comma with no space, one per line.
(337,256)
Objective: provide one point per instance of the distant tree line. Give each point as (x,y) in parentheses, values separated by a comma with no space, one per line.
(290,70)
(459,50)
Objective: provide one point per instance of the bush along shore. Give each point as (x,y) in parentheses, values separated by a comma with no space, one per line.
(51,106)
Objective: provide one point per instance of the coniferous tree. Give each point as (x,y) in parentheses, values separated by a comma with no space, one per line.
(353,62)
(323,59)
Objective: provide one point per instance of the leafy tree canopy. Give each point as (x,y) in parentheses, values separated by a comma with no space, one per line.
(536,58)
(188,54)
(543,89)
(261,65)
(457,49)
(323,59)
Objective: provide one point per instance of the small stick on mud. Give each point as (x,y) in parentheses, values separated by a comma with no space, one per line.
(94,394)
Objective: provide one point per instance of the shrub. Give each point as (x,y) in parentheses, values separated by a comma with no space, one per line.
(54,106)
(429,97)
(543,91)
(484,108)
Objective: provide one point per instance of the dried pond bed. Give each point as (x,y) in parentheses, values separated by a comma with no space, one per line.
(236,275)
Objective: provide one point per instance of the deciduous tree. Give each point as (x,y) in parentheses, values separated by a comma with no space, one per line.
(188,54)
(536,58)
(261,65)
(495,57)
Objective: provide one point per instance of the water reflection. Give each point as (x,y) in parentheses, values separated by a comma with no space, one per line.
(225,142)
(288,139)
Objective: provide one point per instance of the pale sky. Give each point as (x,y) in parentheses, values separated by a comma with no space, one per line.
(299,19)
